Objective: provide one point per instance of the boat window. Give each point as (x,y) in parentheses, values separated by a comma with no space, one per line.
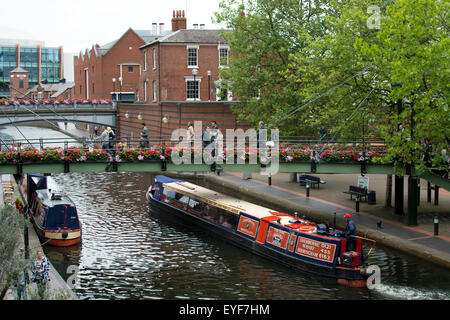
(168,194)
(227,219)
(196,205)
(183,199)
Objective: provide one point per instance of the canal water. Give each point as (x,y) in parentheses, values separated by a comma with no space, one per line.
(128,252)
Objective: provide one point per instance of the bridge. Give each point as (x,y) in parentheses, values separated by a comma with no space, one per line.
(292,158)
(95,113)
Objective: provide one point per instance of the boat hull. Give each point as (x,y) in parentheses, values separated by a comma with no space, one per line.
(347,276)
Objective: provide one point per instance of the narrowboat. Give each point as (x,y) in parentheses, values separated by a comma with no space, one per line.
(52,212)
(289,240)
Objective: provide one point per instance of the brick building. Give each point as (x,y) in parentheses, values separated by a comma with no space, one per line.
(171,75)
(112,71)
(180,83)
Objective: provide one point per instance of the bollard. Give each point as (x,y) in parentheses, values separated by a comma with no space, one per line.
(436,225)
(357,203)
(307,189)
(270,179)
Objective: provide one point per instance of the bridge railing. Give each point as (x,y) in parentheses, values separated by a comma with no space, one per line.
(313,143)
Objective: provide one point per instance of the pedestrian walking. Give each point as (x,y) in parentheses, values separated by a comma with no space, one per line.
(259,133)
(104,138)
(22,280)
(144,139)
(40,273)
(190,134)
(206,138)
(112,141)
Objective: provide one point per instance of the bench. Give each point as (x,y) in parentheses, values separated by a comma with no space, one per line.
(312,180)
(357,191)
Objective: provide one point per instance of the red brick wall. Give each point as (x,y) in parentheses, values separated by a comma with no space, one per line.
(179,114)
(172,66)
(103,68)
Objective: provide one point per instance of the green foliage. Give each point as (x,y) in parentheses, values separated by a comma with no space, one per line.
(261,42)
(11,261)
(344,73)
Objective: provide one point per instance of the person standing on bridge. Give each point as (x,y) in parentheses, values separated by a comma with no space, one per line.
(104,138)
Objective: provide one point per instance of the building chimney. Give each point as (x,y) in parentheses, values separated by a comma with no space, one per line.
(178,20)
(154,28)
(161,28)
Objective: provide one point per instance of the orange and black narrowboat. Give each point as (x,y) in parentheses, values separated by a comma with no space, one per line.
(294,242)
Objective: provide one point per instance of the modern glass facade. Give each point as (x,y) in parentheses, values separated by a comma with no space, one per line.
(50,66)
(8,62)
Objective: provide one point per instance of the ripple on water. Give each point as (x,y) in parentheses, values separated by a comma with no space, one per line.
(129,253)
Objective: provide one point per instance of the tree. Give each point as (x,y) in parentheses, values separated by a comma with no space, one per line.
(262,36)
(399,69)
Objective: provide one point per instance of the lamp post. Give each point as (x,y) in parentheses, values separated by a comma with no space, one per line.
(209,85)
(120,86)
(114,87)
(194,72)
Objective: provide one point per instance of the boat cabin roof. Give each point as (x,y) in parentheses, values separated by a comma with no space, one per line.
(227,202)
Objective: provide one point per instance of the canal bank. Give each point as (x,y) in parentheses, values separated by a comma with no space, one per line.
(322,203)
(57,287)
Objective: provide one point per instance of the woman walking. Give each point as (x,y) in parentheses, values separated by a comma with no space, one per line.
(40,273)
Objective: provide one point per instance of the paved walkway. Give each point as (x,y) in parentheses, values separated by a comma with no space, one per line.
(329,198)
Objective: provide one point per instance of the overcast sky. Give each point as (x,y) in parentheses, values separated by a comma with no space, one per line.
(78,24)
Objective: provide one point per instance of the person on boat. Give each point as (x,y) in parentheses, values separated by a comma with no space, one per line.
(350,231)
(40,272)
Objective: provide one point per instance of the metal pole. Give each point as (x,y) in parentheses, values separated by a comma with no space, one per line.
(412,200)
(399,194)
(357,203)
(436,225)
(436,195)
(307,189)
(428,191)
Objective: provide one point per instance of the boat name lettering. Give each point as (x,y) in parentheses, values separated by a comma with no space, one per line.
(315,249)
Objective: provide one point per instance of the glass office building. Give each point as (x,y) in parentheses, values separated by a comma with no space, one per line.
(43,64)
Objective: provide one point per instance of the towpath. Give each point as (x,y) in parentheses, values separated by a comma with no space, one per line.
(330,198)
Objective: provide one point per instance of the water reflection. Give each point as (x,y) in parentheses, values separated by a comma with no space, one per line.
(128,252)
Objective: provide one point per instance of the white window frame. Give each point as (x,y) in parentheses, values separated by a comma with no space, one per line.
(154,58)
(198,79)
(154,90)
(228,55)
(145,90)
(218,91)
(145,60)
(187,52)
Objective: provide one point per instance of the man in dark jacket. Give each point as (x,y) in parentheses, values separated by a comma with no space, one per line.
(350,231)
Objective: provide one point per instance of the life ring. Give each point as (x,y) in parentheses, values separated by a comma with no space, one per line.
(306,228)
